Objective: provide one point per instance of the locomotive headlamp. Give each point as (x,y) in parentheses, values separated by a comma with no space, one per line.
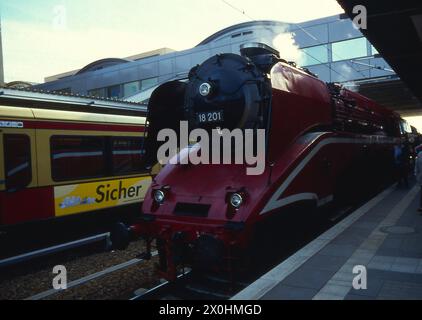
(159,196)
(204,89)
(236,200)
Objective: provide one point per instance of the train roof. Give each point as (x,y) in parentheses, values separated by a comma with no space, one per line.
(25,113)
(29,98)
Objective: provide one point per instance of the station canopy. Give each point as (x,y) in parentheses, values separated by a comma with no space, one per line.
(395,29)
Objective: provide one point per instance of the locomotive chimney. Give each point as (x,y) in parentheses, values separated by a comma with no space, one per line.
(262,55)
(252,49)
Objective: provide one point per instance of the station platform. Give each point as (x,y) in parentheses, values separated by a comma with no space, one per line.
(384,236)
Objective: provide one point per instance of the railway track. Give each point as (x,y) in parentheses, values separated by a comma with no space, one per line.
(10,261)
(91,277)
(192,286)
(91,273)
(120,275)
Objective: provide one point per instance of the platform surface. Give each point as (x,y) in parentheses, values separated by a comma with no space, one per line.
(384,236)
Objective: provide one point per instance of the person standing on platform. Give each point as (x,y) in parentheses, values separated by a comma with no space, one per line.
(397,156)
(418,174)
(405,165)
(401,158)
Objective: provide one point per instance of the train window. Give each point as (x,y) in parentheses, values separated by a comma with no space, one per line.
(76,157)
(126,154)
(17,160)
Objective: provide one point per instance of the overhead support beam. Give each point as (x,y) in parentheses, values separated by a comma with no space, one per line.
(410,113)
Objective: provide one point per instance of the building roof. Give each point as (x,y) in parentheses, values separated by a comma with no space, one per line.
(242,25)
(103,63)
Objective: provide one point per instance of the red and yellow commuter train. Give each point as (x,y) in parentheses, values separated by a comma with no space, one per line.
(324,144)
(63,158)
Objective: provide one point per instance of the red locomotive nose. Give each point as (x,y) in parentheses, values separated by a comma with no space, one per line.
(321,141)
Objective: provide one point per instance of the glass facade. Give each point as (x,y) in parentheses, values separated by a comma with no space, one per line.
(349,49)
(131,88)
(314,55)
(342,50)
(327,47)
(114,92)
(101,93)
(373,50)
(124,90)
(64,90)
(148,83)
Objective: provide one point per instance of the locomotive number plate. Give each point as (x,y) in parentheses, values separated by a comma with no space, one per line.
(210,116)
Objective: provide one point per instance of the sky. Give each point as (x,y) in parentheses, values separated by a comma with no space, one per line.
(47,37)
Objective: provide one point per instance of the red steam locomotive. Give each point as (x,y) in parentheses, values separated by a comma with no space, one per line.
(323,144)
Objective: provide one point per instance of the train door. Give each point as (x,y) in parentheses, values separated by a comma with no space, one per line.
(17,171)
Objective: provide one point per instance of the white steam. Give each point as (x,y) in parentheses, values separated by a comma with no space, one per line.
(281,39)
(288,48)
(351,85)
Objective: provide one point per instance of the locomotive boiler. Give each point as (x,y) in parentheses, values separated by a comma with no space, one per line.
(323,144)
